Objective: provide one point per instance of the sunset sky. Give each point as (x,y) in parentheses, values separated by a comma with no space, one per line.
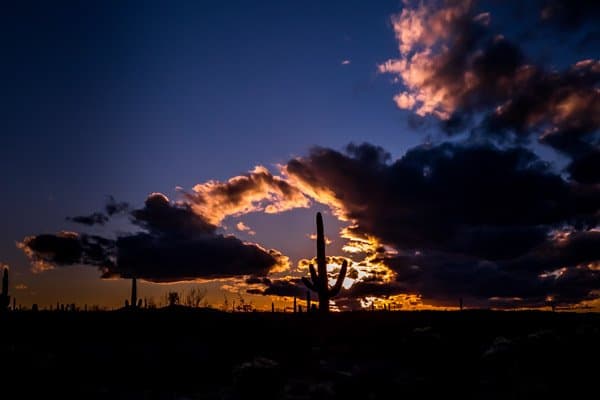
(453,147)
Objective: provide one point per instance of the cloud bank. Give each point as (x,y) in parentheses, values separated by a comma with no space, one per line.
(175,244)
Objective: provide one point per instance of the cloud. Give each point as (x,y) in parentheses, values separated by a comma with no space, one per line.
(175,245)
(570,14)
(242,227)
(160,217)
(481,221)
(345,62)
(453,66)
(313,236)
(47,251)
(89,220)
(170,259)
(465,219)
(111,208)
(586,169)
(287,287)
(258,190)
(114,207)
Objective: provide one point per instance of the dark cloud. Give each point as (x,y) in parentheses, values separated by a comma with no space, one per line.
(455,66)
(175,245)
(452,197)
(478,214)
(375,288)
(68,248)
(279,287)
(89,220)
(114,207)
(570,14)
(469,220)
(563,108)
(111,208)
(178,258)
(159,217)
(586,169)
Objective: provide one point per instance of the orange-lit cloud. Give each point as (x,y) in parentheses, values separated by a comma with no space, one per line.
(313,236)
(453,66)
(242,227)
(41,259)
(422,33)
(258,190)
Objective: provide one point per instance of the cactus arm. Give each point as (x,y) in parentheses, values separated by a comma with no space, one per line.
(340,280)
(308,284)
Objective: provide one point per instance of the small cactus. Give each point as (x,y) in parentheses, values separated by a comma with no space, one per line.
(4,297)
(319,281)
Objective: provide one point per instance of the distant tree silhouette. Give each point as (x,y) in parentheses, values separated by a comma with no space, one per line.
(243,306)
(194,297)
(173,299)
(4,297)
(318,281)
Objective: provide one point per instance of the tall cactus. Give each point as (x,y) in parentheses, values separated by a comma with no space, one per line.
(318,281)
(133,292)
(4,297)
(134,303)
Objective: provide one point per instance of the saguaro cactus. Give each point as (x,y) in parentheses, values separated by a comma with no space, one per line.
(133,292)
(134,303)
(318,281)
(4,297)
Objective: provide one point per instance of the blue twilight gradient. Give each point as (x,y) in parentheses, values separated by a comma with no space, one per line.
(125,98)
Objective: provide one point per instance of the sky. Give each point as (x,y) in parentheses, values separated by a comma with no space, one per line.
(451,145)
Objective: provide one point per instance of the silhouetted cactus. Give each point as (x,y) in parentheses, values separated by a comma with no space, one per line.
(133,292)
(4,297)
(318,279)
(134,303)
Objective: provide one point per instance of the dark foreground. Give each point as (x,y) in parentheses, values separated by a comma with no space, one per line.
(372,355)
